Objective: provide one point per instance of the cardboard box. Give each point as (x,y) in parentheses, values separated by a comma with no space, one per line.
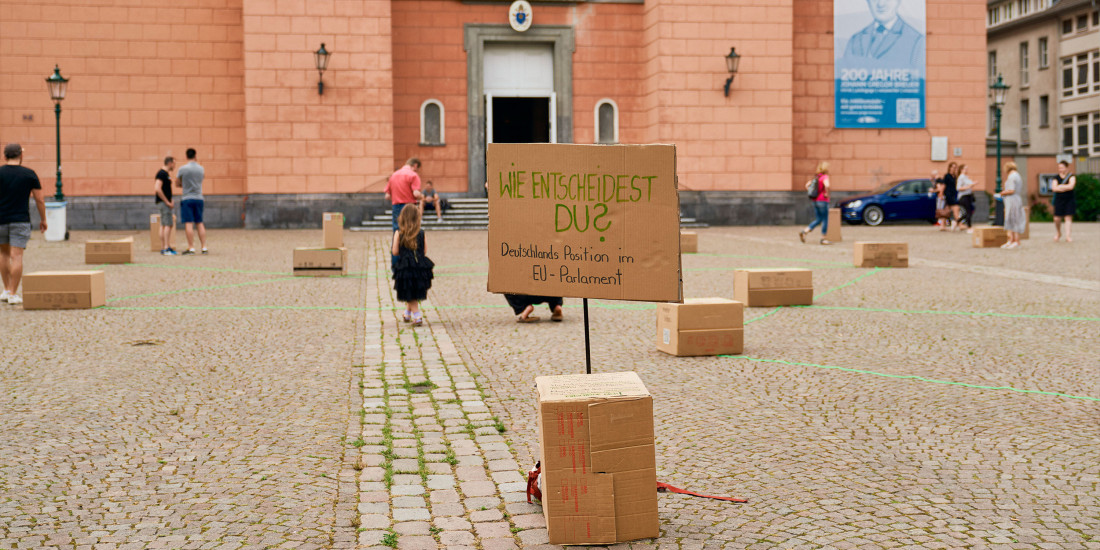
(834,225)
(64,290)
(154,233)
(881,254)
(332,229)
(587,221)
(320,262)
(599,463)
(989,236)
(1027,224)
(689,242)
(773,287)
(701,326)
(115,251)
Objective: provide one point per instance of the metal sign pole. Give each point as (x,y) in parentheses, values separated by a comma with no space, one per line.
(587,341)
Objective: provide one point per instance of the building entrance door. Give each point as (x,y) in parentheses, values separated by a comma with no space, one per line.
(519,93)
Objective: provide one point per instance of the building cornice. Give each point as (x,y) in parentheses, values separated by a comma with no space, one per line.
(1053,12)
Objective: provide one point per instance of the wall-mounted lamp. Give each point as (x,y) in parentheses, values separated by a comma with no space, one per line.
(320,57)
(732,61)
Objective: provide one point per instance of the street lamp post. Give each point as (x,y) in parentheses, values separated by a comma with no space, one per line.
(997,92)
(57,85)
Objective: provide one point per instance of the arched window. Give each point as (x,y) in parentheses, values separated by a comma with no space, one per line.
(431,122)
(607,121)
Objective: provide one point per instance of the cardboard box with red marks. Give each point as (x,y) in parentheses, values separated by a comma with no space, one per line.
(599,465)
(64,290)
(881,254)
(109,251)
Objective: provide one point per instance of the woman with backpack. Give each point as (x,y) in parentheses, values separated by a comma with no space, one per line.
(817,189)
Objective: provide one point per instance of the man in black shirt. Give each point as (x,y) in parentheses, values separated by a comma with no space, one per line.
(162,190)
(17,184)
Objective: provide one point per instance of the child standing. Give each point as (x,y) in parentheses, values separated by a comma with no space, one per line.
(412,272)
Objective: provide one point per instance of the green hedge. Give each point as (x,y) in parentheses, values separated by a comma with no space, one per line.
(1088,198)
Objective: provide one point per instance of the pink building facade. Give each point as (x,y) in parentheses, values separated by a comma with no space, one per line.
(437,79)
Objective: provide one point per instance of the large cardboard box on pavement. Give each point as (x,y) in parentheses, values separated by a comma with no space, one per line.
(989,236)
(154,233)
(64,290)
(332,229)
(689,242)
(773,287)
(599,464)
(585,221)
(701,326)
(109,251)
(881,254)
(320,262)
(834,225)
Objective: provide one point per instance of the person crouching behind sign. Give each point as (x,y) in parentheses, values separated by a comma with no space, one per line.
(412,271)
(523,306)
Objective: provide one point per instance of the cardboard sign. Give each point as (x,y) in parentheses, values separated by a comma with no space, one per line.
(64,290)
(599,465)
(584,221)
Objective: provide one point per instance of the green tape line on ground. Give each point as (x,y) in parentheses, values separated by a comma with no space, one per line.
(764,315)
(910,377)
(201,288)
(849,283)
(244,308)
(967,313)
(216,269)
(828,262)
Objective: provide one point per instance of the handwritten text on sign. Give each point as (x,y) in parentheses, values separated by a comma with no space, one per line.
(586,221)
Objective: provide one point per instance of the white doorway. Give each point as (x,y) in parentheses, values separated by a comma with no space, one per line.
(520,103)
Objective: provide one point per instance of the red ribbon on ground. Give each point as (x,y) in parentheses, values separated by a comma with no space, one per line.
(664,487)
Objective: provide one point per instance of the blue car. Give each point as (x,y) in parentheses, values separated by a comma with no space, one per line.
(894,201)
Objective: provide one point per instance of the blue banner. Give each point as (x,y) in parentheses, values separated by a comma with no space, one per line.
(879,63)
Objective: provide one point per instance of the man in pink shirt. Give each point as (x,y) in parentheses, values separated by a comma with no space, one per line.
(404,188)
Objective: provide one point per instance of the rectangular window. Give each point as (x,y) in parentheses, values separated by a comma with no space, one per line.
(1023,64)
(1043,51)
(1067,26)
(1067,77)
(1082,135)
(1025,119)
(992,66)
(1096,131)
(1096,18)
(1082,23)
(1095,71)
(1044,111)
(1082,74)
(1067,135)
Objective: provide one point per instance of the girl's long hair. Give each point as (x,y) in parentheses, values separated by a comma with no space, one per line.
(408,226)
(823,167)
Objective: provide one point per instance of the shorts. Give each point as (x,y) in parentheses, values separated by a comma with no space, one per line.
(15,234)
(191,210)
(167,218)
(1065,204)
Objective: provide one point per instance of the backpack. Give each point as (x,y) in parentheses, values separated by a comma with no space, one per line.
(813,187)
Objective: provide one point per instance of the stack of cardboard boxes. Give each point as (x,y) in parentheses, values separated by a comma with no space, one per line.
(331,258)
(64,290)
(701,326)
(599,462)
(881,254)
(110,251)
(773,287)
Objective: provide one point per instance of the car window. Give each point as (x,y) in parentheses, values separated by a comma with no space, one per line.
(914,187)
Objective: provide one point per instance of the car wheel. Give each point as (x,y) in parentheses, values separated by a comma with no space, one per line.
(872,215)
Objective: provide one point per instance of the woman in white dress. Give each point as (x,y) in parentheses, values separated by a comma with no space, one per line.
(1012,195)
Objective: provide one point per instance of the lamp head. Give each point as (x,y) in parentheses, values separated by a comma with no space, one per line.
(57,85)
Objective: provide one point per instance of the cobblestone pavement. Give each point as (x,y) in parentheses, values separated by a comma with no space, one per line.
(218,402)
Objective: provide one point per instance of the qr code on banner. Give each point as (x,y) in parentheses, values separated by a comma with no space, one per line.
(908,111)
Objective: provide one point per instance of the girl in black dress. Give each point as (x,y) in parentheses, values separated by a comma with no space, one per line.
(412,272)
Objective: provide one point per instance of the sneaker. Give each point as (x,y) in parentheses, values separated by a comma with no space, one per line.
(173,250)
(189,252)
(205,251)
(15,300)
(826,241)
(167,252)
(4,296)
